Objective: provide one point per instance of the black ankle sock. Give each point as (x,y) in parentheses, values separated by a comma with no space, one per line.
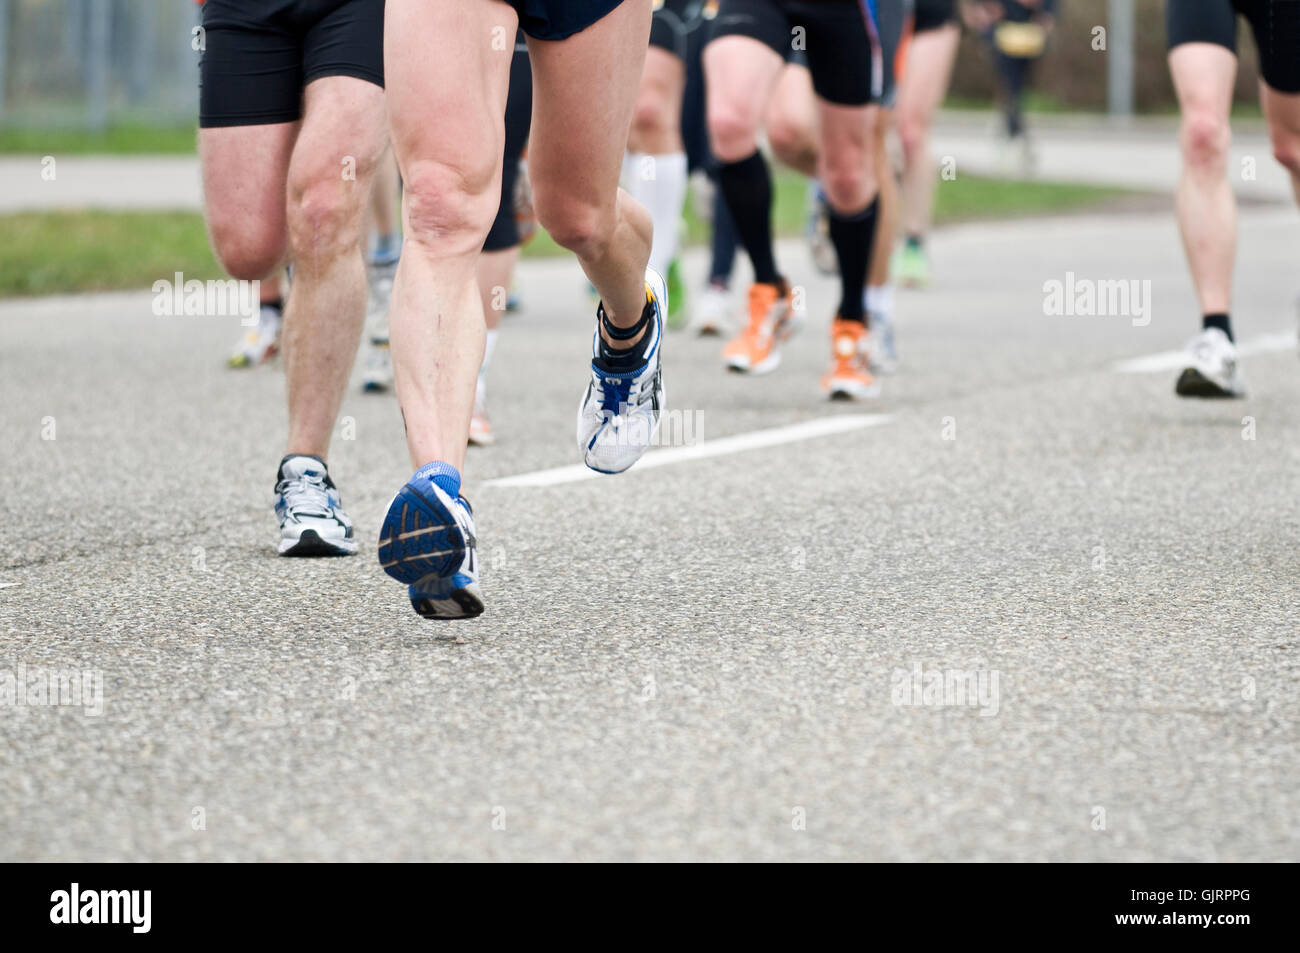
(747,187)
(1220,321)
(619,360)
(852,236)
(278,304)
(915,241)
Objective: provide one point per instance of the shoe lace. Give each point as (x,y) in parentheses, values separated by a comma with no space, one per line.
(615,394)
(306,493)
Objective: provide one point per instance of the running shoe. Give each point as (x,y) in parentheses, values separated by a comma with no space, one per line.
(480,428)
(713,313)
(261,342)
(619,413)
(911,268)
(377,375)
(312,521)
(882,353)
(818,230)
(848,377)
(757,349)
(676,297)
(1213,369)
(427,542)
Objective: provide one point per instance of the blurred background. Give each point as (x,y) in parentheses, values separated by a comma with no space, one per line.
(98,64)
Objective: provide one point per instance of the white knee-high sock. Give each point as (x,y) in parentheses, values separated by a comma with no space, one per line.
(659,183)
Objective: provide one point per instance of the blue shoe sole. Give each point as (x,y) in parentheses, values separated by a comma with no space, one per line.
(419,538)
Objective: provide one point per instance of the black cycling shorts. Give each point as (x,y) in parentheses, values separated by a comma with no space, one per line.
(851,45)
(559,19)
(259,54)
(933,14)
(1275,23)
(519,113)
(672,24)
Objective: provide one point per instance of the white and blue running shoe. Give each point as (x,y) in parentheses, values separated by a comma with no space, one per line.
(312,521)
(619,414)
(427,541)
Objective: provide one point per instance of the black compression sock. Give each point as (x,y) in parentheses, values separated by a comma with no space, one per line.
(620,360)
(278,304)
(1220,321)
(747,187)
(852,237)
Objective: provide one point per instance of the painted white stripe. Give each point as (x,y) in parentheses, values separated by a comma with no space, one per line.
(1176,360)
(755,440)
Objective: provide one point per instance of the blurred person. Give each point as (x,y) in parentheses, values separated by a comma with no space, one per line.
(510,229)
(1016,32)
(381,266)
(850,51)
(922,87)
(1203,62)
(291,131)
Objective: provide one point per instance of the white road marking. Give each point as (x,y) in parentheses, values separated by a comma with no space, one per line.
(1176,360)
(738,443)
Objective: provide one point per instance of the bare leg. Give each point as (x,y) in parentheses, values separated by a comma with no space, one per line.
(1207,209)
(341,142)
(383,196)
(244,174)
(792,120)
(575,153)
(887,213)
(656,175)
(495,269)
(924,84)
(448,125)
(1283,113)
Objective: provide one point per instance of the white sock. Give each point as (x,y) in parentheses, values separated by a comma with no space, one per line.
(880,299)
(659,183)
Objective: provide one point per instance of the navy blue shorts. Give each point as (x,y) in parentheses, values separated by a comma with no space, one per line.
(559,19)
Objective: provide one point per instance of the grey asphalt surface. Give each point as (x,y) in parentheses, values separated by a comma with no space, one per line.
(696,661)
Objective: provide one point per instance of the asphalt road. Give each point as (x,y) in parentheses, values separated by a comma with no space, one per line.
(711,659)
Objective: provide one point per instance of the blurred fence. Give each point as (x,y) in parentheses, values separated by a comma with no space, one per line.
(90,63)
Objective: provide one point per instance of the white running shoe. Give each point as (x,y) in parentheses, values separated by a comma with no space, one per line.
(260,342)
(714,312)
(312,521)
(1213,369)
(882,354)
(377,375)
(619,413)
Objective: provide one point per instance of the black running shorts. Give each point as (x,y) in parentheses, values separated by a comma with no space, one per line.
(851,45)
(259,54)
(559,19)
(672,23)
(519,113)
(933,14)
(1275,23)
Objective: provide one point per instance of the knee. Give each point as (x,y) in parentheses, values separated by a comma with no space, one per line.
(1205,141)
(449,208)
(733,133)
(574,223)
(790,139)
(247,250)
(325,214)
(651,119)
(848,180)
(1286,149)
(912,134)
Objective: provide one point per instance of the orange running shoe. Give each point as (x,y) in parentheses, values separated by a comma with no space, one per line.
(756,350)
(848,378)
